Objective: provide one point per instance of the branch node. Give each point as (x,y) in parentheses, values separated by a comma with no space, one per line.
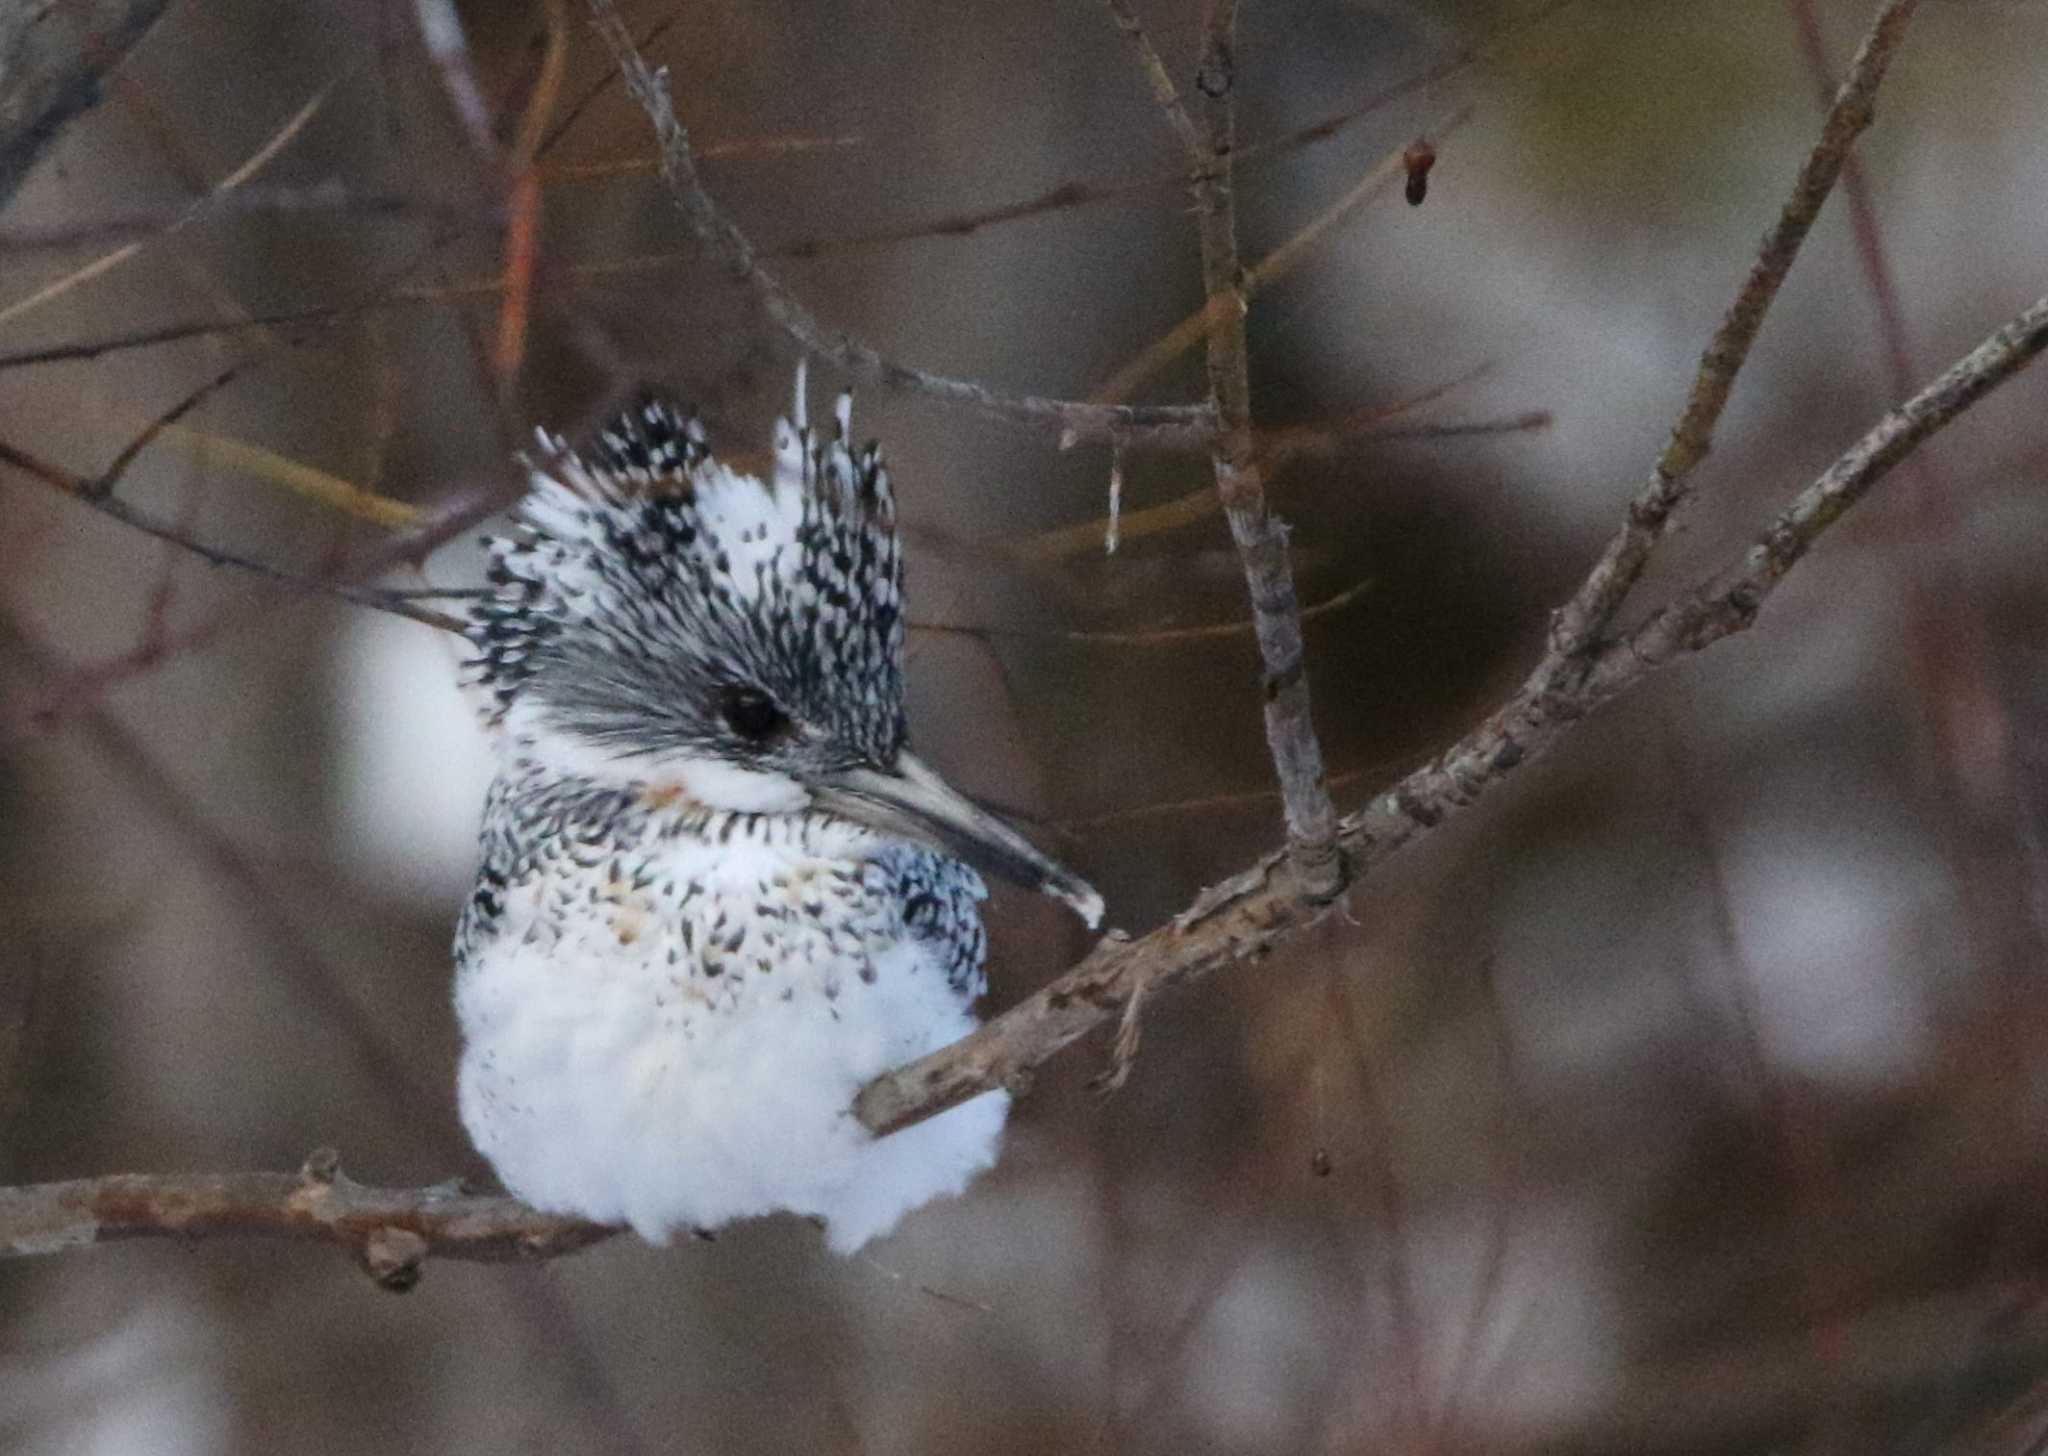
(322,1165)
(1320,871)
(395,1258)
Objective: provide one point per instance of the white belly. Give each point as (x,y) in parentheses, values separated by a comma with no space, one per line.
(606,1074)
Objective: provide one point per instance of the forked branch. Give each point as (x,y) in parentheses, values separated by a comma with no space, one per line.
(1255,911)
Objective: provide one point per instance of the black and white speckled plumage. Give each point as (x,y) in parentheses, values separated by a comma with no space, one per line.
(578,848)
(675,968)
(621,604)
(622,613)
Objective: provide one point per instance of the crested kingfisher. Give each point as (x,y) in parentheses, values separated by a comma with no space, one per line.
(717,893)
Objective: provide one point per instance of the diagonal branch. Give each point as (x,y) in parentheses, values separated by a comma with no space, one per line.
(1158,78)
(84,491)
(1077,420)
(1576,628)
(1728,602)
(1249,915)
(52,61)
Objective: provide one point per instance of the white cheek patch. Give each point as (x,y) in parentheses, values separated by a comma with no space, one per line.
(711,782)
(742,790)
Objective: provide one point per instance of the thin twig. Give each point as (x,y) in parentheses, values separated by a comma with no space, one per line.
(80,489)
(1269,270)
(1072,829)
(1163,90)
(1075,419)
(787,144)
(1576,628)
(321,486)
(1071,193)
(1276,448)
(320,199)
(1240,483)
(276,142)
(1144,636)
(605,81)
(523,201)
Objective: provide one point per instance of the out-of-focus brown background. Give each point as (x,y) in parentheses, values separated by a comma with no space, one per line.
(1687,1095)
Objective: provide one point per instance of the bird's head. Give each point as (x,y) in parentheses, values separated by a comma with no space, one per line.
(659,617)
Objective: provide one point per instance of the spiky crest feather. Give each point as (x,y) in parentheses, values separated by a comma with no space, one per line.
(645,568)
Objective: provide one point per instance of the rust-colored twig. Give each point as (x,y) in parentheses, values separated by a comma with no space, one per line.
(523,201)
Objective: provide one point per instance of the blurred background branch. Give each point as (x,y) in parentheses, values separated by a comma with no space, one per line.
(53,57)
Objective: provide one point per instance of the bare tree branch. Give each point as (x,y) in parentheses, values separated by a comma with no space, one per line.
(1577,626)
(1076,419)
(1728,602)
(389,1230)
(1240,476)
(1251,913)
(1156,76)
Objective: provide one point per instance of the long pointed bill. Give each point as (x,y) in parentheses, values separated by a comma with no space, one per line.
(915,803)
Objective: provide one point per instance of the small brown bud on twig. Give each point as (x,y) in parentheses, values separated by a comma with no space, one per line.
(1417,160)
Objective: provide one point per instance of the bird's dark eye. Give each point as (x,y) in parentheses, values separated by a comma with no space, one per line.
(752,714)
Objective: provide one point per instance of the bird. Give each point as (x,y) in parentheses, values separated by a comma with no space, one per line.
(717,893)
